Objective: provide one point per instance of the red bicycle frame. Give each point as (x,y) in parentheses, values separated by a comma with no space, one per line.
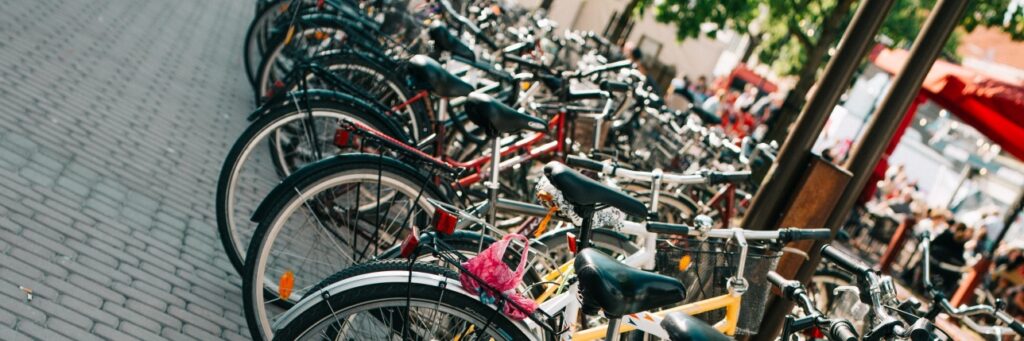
(557,146)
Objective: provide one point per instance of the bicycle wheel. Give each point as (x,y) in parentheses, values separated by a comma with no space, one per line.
(327,216)
(313,34)
(258,35)
(386,301)
(249,173)
(557,246)
(372,82)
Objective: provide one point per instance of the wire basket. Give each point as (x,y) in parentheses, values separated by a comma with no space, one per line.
(711,263)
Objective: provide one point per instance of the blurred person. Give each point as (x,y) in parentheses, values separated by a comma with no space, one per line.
(700,89)
(947,259)
(948,256)
(746,100)
(992,225)
(679,95)
(712,104)
(634,54)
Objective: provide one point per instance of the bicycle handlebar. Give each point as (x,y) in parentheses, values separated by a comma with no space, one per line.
(613,86)
(585,163)
(666,228)
(842,330)
(711,178)
(835,330)
(776,279)
(1017,327)
(715,178)
(791,234)
(622,64)
(844,260)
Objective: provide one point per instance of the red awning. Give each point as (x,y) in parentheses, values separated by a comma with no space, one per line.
(991,104)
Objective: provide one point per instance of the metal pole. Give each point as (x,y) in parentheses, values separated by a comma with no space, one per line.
(1011,215)
(766,206)
(965,174)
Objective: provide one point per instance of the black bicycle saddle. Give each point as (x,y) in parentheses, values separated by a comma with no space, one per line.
(578,189)
(428,74)
(620,289)
(497,118)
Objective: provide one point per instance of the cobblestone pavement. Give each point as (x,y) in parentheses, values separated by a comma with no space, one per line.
(115,116)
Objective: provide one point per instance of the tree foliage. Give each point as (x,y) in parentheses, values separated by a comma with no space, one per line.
(791,30)
(796,37)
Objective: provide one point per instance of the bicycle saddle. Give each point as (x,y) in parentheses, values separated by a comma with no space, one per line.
(620,289)
(429,75)
(497,118)
(444,40)
(581,190)
(683,327)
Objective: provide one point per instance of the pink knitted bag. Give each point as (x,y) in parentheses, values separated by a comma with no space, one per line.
(490,267)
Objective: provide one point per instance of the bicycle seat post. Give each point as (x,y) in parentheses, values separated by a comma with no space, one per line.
(492,183)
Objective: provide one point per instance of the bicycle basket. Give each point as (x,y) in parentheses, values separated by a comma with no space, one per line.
(711,263)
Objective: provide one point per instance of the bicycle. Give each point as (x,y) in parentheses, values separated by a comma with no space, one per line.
(347,171)
(291,322)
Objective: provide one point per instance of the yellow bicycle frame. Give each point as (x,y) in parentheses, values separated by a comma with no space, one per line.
(730,302)
(727,326)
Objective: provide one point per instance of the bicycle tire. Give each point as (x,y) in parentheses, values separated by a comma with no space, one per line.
(249,140)
(397,289)
(286,199)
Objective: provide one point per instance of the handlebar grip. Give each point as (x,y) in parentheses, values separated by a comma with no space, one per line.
(524,62)
(842,331)
(585,163)
(715,178)
(585,94)
(613,86)
(518,47)
(790,234)
(1017,327)
(666,228)
(608,67)
(844,260)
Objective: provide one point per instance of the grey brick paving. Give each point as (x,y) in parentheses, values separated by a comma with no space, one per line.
(115,116)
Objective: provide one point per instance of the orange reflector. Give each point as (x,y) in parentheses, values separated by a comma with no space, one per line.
(496,9)
(544,222)
(285,285)
(410,243)
(571,238)
(320,35)
(684,262)
(444,222)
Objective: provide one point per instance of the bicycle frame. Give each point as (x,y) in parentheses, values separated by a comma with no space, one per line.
(648,322)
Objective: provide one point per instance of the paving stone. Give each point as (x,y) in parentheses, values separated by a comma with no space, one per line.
(40,332)
(112,135)
(70,330)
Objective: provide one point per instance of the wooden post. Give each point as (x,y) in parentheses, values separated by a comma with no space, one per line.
(899,239)
(816,195)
